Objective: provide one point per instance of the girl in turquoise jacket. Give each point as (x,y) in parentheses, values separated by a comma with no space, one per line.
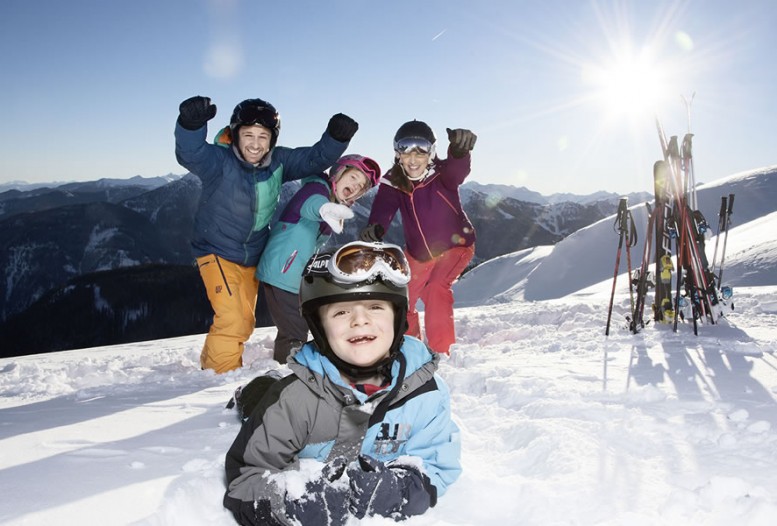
(313,213)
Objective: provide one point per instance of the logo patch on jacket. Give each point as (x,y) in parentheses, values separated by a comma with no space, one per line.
(390,438)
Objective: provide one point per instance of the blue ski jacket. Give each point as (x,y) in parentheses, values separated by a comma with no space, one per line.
(238,199)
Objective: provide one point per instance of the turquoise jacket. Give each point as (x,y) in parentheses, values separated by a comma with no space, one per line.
(295,237)
(238,199)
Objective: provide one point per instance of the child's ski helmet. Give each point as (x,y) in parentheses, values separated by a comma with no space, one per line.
(322,283)
(367,166)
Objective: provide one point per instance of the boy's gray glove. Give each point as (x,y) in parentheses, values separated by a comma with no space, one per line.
(341,127)
(462,141)
(334,214)
(325,500)
(372,233)
(387,491)
(195,111)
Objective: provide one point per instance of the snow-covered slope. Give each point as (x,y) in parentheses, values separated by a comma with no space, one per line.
(560,424)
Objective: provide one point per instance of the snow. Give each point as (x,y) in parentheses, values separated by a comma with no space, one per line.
(560,424)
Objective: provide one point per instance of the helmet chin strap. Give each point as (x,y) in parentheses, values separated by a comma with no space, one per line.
(356,372)
(417,178)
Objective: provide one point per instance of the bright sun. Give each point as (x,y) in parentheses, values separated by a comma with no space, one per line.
(629,85)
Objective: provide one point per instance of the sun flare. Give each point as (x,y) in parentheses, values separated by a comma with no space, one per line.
(630,85)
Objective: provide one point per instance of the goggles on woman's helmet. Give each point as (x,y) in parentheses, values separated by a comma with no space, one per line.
(357,262)
(410,144)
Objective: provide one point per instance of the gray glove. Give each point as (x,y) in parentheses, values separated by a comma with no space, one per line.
(372,233)
(462,141)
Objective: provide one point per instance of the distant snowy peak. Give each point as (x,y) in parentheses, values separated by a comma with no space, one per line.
(524,194)
(146,182)
(138,180)
(502,190)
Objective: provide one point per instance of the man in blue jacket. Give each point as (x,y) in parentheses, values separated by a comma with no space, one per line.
(240,191)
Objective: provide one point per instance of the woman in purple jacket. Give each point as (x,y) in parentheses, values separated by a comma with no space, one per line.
(439,237)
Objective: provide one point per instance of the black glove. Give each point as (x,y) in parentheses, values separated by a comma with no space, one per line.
(195,112)
(256,513)
(341,127)
(325,500)
(372,233)
(462,141)
(377,489)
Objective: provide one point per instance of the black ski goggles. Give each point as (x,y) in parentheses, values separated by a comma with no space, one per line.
(411,144)
(261,115)
(357,261)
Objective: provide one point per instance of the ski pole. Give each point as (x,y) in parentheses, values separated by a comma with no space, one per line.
(721,228)
(729,211)
(620,220)
(637,318)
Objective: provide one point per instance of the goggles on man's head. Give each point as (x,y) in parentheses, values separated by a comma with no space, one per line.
(410,144)
(261,115)
(356,262)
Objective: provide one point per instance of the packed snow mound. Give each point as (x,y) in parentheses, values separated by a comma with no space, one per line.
(500,279)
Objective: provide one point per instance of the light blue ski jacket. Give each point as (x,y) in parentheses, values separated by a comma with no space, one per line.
(314,414)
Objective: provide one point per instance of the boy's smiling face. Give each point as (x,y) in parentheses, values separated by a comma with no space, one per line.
(359,332)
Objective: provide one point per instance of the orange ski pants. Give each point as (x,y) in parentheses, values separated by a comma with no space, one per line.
(232,291)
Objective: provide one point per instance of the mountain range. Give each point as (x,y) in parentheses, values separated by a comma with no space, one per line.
(108,261)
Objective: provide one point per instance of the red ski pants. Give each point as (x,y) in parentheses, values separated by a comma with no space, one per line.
(431,281)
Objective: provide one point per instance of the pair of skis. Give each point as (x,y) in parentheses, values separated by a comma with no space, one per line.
(687,227)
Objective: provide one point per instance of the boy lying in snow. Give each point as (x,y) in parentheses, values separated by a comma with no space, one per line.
(363,399)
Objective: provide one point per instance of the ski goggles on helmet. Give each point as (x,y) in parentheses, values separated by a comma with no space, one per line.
(410,144)
(365,165)
(357,262)
(261,115)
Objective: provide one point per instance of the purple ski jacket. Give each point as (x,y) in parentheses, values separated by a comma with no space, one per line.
(433,219)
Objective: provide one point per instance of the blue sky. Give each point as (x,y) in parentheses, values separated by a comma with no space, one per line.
(91,89)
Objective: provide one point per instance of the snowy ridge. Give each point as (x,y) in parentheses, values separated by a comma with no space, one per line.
(587,257)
